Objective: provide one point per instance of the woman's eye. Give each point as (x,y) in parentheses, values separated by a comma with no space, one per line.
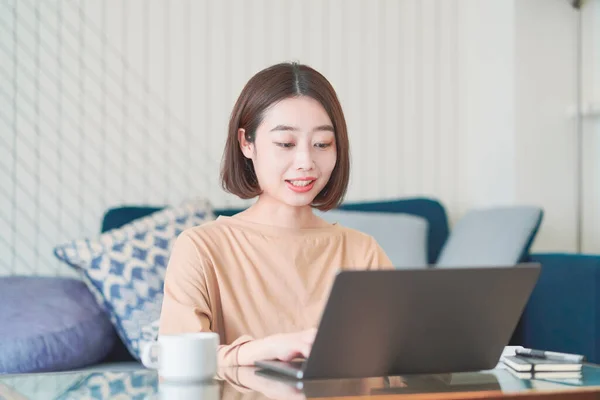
(285,145)
(323,145)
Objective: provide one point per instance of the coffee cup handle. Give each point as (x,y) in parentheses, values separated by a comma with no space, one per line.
(147,359)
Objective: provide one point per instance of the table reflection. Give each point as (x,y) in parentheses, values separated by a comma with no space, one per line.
(251,383)
(245,383)
(272,386)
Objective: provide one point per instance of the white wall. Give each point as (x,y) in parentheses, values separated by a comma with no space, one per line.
(127,102)
(518,80)
(545,135)
(590,127)
(487,103)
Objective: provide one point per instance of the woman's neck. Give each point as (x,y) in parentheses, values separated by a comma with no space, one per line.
(272,212)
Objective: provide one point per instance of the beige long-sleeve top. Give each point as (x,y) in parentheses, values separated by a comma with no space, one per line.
(246,280)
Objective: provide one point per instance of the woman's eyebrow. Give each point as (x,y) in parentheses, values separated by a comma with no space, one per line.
(294,129)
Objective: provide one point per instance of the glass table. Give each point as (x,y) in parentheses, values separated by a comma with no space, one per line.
(246,383)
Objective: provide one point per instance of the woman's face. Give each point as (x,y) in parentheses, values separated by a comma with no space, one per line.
(294,151)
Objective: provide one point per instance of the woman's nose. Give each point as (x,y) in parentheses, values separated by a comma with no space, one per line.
(304,159)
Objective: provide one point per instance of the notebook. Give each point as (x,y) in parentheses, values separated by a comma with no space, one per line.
(535,365)
(548,375)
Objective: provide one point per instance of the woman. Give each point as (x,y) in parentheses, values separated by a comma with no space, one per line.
(261,277)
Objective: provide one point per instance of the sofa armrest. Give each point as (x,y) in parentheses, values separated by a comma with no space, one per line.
(563,313)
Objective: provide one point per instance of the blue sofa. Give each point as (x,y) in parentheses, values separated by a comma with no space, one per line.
(563,313)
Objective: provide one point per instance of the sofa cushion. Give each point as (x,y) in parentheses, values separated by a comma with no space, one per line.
(402,236)
(430,209)
(50,324)
(125,267)
(496,236)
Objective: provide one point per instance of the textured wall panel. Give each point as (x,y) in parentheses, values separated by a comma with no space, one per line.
(126,102)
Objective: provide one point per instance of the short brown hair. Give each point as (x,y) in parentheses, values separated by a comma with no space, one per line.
(267,87)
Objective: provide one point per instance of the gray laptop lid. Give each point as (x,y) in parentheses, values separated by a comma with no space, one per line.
(395,322)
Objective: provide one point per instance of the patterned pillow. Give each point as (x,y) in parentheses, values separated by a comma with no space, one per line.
(125,268)
(149,334)
(132,293)
(78,253)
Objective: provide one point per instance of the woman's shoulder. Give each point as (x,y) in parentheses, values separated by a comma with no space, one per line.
(229,229)
(356,237)
(204,241)
(207,231)
(243,227)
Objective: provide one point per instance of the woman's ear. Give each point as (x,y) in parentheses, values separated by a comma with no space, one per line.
(246,147)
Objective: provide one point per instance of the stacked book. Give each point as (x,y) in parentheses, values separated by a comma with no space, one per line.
(529,365)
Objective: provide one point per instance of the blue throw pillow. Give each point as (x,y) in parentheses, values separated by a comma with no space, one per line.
(50,324)
(125,267)
(495,236)
(403,237)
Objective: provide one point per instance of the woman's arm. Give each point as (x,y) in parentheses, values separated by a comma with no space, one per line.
(377,258)
(187,308)
(186,303)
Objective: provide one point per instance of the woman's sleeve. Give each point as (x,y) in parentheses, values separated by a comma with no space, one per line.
(186,303)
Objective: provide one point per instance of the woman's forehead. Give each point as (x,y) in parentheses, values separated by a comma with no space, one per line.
(296,114)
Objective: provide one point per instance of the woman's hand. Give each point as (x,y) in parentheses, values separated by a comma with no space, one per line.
(287,346)
(283,346)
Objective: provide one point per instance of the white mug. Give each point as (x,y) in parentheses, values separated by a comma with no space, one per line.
(183,357)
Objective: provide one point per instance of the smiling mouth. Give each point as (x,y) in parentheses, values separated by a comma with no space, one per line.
(300,183)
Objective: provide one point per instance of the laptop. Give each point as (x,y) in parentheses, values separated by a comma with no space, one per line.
(415,321)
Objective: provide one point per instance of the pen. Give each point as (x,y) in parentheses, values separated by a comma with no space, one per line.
(550,355)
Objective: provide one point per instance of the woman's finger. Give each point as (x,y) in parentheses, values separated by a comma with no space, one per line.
(305,350)
(309,334)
